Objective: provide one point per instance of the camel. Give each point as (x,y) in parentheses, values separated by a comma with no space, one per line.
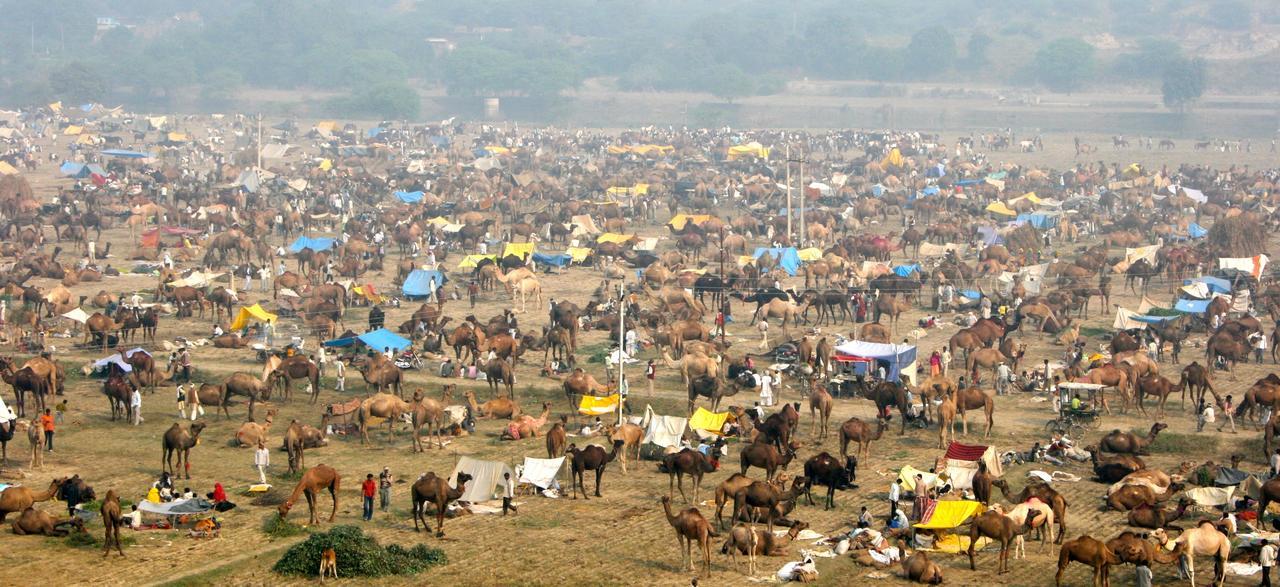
(630,435)
(920,569)
(858,431)
(1269,493)
(1045,494)
(824,469)
(580,383)
(693,365)
(498,371)
(746,535)
(686,462)
(33,522)
(1111,376)
(433,489)
(1154,517)
(973,398)
(946,419)
(1130,443)
(500,407)
(36,438)
(295,367)
(766,544)
(592,458)
(118,391)
(1114,468)
(295,446)
(16,498)
(431,413)
(111,521)
(525,288)
(382,373)
(251,433)
(313,480)
(690,526)
(785,310)
(381,405)
(1000,528)
(1135,549)
(1130,497)
(243,384)
(820,404)
(1160,387)
(767,496)
(557,438)
(714,389)
(894,307)
(765,456)
(1090,551)
(1204,539)
(525,426)
(1019,514)
(180,440)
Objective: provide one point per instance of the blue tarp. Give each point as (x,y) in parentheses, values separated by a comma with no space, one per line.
(931,190)
(383,338)
(558,259)
(906,270)
(990,236)
(787,257)
(1191,306)
(418,283)
(1196,231)
(968,182)
(373,132)
(1041,221)
(877,190)
(315,244)
(972,294)
(410,197)
(80,170)
(1153,319)
(127,154)
(895,356)
(1215,284)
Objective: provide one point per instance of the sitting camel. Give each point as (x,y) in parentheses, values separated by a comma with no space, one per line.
(251,433)
(16,498)
(499,407)
(313,480)
(919,569)
(34,522)
(526,426)
(769,544)
(431,488)
(1117,441)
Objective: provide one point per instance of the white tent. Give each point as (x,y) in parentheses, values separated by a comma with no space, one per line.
(275,151)
(963,460)
(77,314)
(486,477)
(664,431)
(540,473)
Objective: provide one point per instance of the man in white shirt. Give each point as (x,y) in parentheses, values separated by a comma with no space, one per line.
(340,373)
(763,327)
(895,493)
(1002,379)
(1267,557)
(135,404)
(262,459)
(1206,416)
(133,518)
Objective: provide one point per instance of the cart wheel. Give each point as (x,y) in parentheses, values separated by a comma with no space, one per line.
(1076,432)
(1096,422)
(1053,427)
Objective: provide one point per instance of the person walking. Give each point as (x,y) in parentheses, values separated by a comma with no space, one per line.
(60,411)
(765,383)
(1267,557)
(1228,414)
(368,489)
(763,327)
(935,364)
(1206,415)
(508,493)
(650,373)
(895,493)
(340,374)
(262,459)
(384,488)
(46,423)
(135,405)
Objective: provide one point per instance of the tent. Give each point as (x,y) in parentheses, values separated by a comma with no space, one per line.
(788,258)
(382,338)
(705,420)
(899,359)
(591,405)
(1196,231)
(664,431)
(77,314)
(679,220)
(579,254)
(486,476)
(1254,265)
(177,507)
(151,238)
(948,514)
(613,237)
(409,197)
(521,250)
(315,244)
(419,282)
(124,154)
(1000,208)
(80,170)
(893,159)
(963,460)
(752,149)
(540,473)
(1041,221)
(472,261)
(553,259)
(1212,285)
(255,313)
(1127,320)
(275,151)
(584,224)
(809,254)
(907,475)
(638,189)
(906,270)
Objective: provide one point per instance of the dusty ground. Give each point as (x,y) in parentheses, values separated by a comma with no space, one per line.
(622,538)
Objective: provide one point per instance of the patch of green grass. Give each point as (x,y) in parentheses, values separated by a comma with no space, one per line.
(88,540)
(1094,331)
(96,505)
(1176,443)
(276,527)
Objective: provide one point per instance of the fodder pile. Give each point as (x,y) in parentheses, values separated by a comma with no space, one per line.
(1238,236)
(358,555)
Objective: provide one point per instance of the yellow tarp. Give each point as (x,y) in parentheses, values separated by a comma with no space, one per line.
(325,165)
(1000,208)
(893,159)
(178,137)
(708,421)
(1031,196)
(471,261)
(595,406)
(519,249)
(679,220)
(745,260)
(1132,171)
(439,221)
(6,169)
(752,149)
(255,313)
(613,237)
(497,150)
(326,125)
(908,477)
(56,106)
(641,149)
(956,544)
(73,130)
(85,139)
(639,189)
(949,514)
(809,254)
(579,254)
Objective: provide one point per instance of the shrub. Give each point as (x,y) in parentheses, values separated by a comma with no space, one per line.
(277,527)
(358,555)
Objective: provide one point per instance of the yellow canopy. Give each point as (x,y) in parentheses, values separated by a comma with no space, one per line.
(1000,208)
(85,139)
(641,149)
(907,475)
(439,221)
(56,106)
(613,237)
(471,261)
(178,137)
(326,125)
(809,254)
(579,254)
(1031,196)
(519,249)
(1132,171)
(595,406)
(497,150)
(745,260)
(6,169)
(73,130)
(950,514)
(325,165)
(708,421)
(752,149)
(679,220)
(639,189)
(255,313)
(894,159)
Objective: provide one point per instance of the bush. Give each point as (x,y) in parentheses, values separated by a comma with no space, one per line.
(277,527)
(358,555)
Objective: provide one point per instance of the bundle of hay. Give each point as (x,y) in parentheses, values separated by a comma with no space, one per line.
(1023,239)
(1238,236)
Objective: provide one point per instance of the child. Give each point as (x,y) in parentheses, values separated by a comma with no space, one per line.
(508,492)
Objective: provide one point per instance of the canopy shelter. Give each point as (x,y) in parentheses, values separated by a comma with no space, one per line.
(664,431)
(382,339)
(679,220)
(486,477)
(177,507)
(553,259)
(1191,306)
(80,170)
(323,243)
(613,237)
(77,315)
(125,154)
(540,473)
(409,197)
(591,405)
(1000,208)
(898,359)
(706,422)
(253,313)
(752,149)
(473,261)
(1254,265)
(963,462)
(788,257)
(519,250)
(420,281)
(948,514)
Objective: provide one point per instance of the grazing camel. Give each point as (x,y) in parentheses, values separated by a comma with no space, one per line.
(313,480)
(690,526)
(592,458)
(820,404)
(858,431)
(686,462)
(973,398)
(1204,539)
(180,441)
(435,490)
(111,521)
(1093,553)
(1000,528)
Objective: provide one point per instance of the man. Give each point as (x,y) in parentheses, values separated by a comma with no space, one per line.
(1267,557)
(508,493)
(135,405)
(1206,415)
(133,518)
(650,373)
(261,459)
(384,489)
(184,364)
(46,423)
(473,291)
(1075,402)
(340,373)
(264,274)
(946,360)
(763,327)
(864,519)
(1228,413)
(368,489)
(1259,347)
(1003,375)
(895,493)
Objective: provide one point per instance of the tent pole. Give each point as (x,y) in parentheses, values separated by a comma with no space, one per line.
(622,333)
(789,236)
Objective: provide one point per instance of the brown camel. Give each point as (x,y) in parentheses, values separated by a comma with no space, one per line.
(592,458)
(295,367)
(430,413)
(557,438)
(946,419)
(630,435)
(819,409)
(1157,516)
(500,407)
(1111,376)
(686,462)
(251,433)
(433,489)
(999,528)
(1160,387)
(112,521)
(690,526)
(1204,539)
(765,456)
(858,431)
(581,383)
(767,496)
(295,446)
(972,398)
(526,426)
(1133,548)
(382,373)
(1043,493)
(36,438)
(983,481)
(16,498)
(381,405)
(498,371)
(33,522)
(729,487)
(1269,493)
(1110,469)
(180,440)
(313,480)
(1093,553)
(1130,497)
(1130,443)
(920,569)
(766,544)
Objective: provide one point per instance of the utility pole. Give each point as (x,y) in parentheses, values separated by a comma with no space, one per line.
(803,196)
(801,161)
(622,334)
(788,191)
(259,145)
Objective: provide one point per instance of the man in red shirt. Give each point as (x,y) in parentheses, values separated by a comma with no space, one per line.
(368,489)
(46,422)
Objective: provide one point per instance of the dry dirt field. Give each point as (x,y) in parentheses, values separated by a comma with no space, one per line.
(620,539)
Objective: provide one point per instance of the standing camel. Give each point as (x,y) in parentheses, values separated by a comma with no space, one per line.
(381,405)
(820,404)
(429,412)
(111,520)
(1093,553)
(946,418)
(433,489)
(316,478)
(686,462)
(856,430)
(180,440)
(690,526)
(1204,539)
(999,528)
(592,458)
(36,438)
(973,398)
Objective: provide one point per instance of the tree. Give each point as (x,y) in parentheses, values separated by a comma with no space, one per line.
(77,83)
(932,51)
(220,86)
(1184,82)
(1064,65)
(728,82)
(390,100)
(976,50)
(1149,61)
